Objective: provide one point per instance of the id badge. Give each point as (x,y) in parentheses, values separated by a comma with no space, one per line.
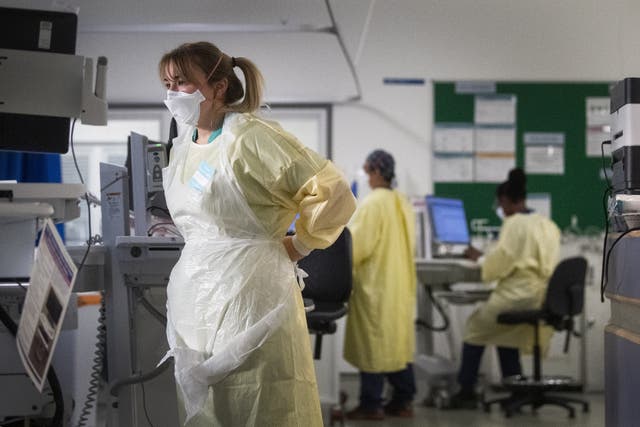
(201,179)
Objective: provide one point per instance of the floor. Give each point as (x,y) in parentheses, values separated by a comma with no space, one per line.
(432,417)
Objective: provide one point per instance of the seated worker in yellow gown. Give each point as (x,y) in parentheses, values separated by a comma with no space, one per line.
(236,325)
(380,337)
(521,263)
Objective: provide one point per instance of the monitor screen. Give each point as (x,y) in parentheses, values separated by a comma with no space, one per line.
(44,31)
(157,204)
(448,220)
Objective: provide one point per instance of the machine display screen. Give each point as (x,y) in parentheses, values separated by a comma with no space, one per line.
(44,31)
(448,220)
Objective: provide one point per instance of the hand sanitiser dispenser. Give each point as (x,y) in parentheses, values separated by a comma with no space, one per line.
(625,135)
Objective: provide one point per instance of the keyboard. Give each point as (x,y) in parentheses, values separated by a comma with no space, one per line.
(472,287)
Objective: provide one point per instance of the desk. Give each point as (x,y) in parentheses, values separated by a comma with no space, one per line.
(442,272)
(437,275)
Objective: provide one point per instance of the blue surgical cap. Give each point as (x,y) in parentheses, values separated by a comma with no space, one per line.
(383,162)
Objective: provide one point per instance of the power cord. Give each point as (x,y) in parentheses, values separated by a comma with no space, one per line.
(144,405)
(149,307)
(605,207)
(605,197)
(101,337)
(143,377)
(606,264)
(96,368)
(439,309)
(92,240)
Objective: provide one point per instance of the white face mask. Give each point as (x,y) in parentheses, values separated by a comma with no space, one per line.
(185,107)
(500,212)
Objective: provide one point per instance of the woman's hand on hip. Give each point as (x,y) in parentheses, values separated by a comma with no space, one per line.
(294,255)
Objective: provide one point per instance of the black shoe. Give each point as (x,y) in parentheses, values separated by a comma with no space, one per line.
(398,409)
(463,400)
(361,413)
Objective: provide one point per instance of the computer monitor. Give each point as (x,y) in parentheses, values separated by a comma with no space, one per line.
(42,31)
(155,158)
(449,228)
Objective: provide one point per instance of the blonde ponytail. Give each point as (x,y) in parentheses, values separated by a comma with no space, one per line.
(254,84)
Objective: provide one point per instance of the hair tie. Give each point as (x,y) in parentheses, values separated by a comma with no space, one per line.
(233,62)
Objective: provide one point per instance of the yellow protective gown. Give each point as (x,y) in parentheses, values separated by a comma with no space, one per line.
(236,324)
(380,333)
(522,263)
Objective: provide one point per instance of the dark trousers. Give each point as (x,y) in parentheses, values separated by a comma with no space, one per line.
(372,385)
(470,365)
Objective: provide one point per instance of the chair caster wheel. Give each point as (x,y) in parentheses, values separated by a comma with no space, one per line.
(441,400)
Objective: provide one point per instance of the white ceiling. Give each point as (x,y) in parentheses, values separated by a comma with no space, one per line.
(287,39)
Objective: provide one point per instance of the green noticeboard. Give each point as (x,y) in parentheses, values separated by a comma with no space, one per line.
(550,107)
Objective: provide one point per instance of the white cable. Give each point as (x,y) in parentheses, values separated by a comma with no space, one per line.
(364,34)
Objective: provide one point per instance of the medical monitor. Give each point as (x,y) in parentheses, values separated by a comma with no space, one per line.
(41,31)
(155,157)
(449,228)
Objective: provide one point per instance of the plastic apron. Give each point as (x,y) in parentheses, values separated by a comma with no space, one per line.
(233,302)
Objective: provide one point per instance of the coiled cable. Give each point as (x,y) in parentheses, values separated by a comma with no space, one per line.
(96,368)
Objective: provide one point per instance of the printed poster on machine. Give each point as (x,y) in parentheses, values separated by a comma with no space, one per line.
(50,286)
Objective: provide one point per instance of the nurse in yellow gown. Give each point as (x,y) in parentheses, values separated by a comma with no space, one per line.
(522,263)
(380,338)
(236,324)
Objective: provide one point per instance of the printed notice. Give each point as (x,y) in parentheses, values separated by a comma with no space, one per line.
(452,168)
(453,139)
(539,203)
(495,139)
(547,159)
(495,109)
(598,126)
(50,286)
(544,152)
(493,167)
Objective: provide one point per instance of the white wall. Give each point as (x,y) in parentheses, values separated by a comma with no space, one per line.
(470,39)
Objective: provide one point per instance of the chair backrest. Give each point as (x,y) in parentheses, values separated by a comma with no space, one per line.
(329,270)
(565,292)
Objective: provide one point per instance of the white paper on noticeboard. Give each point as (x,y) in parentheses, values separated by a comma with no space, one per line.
(452,168)
(493,167)
(453,139)
(544,159)
(50,286)
(539,203)
(495,139)
(495,109)
(598,111)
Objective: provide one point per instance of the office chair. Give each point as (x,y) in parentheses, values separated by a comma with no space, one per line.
(564,299)
(328,286)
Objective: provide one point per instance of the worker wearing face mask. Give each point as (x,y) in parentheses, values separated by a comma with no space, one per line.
(235,318)
(521,263)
